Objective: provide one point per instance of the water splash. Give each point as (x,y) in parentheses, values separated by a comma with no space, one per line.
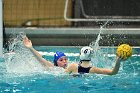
(100,58)
(95,45)
(20,59)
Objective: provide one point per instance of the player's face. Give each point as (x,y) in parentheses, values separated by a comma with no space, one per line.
(62,62)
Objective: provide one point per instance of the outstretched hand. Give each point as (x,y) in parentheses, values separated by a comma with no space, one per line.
(27,42)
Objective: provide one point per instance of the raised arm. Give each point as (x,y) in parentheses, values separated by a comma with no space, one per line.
(107,71)
(28,44)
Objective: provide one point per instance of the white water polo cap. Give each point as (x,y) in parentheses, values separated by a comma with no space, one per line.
(85,54)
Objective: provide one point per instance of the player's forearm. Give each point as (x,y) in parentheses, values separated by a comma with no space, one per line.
(35,52)
(40,59)
(117,66)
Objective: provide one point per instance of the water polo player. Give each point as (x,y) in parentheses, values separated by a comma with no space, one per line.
(85,65)
(59,57)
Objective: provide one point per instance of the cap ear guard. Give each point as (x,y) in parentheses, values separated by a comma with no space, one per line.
(85,53)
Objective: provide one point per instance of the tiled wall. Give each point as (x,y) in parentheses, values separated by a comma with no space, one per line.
(45,13)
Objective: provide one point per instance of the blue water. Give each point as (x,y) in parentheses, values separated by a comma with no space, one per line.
(21,73)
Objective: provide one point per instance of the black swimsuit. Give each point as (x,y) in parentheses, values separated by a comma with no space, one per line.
(83,70)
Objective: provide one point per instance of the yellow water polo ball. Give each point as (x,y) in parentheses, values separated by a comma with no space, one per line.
(124,50)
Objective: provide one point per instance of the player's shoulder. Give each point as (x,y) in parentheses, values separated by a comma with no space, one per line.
(73,65)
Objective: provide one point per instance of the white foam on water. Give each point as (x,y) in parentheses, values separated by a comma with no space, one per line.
(20,59)
(52,54)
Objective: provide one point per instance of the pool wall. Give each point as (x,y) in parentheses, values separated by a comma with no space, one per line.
(77,36)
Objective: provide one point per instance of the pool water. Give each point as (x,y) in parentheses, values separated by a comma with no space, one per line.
(20,72)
